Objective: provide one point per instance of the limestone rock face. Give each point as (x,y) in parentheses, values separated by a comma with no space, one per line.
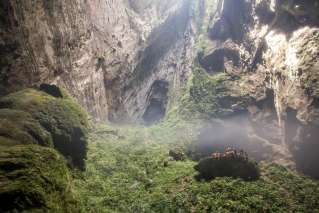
(272,49)
(105,53)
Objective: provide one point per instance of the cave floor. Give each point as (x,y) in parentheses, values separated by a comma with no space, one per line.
(128,170)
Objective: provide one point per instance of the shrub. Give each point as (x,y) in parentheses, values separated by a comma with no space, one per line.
(177,154)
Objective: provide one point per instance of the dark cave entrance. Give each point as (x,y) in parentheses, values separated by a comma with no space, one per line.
(157,101)
(292,125)
(215,62)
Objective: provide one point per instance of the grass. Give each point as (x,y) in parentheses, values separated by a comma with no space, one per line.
(126,173)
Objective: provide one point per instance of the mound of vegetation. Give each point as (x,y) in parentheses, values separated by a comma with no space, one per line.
(229,164)
(62,117)
(127,172)
(33,175)
(34,179)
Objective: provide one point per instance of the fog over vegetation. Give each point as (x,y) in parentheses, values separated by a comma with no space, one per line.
(164,106)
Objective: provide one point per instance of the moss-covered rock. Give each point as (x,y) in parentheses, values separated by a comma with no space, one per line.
(4,141)
(212,96)
(212,167)
(21,127)
(34,179)
(62,117)
(177,154)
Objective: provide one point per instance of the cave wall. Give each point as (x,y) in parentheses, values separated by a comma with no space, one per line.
(276,44)
(95,49)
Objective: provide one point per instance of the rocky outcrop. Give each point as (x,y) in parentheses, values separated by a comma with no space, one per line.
(31,116)
(34,179)
(107,54)
(231,163)
(269,49)
(39,135)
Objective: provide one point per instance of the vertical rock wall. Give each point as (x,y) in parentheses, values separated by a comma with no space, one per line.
(97,50)
(270,50)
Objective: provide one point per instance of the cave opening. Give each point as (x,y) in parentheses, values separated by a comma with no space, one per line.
(215,62)
(157,102)
(291,125)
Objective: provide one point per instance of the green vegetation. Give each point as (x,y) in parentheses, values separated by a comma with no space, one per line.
(210,168)
(206,91)
(204,22)
(212,96)
(34,179)
(129,170)
(63,118)
(19,126)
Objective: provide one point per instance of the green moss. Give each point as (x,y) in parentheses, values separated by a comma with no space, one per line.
(205,16)
(62,117)
(4,141)
(213,96)
(204,94)
(34,179)
(21,127)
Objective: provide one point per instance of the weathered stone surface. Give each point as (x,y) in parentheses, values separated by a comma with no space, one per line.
(276,65)
(107,54)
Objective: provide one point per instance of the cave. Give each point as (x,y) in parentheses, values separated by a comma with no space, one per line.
(292,125)
(230,23)
(306,154)
(265,120)
(157,102)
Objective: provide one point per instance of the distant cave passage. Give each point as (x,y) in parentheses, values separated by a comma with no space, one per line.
(215,62)
(157,102)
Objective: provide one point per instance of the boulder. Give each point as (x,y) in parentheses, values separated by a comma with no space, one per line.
(177,154)
(63,118)
(34,179)
(228,164)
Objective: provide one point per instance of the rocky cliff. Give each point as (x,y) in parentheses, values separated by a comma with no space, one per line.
(261,60)
(108,54)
